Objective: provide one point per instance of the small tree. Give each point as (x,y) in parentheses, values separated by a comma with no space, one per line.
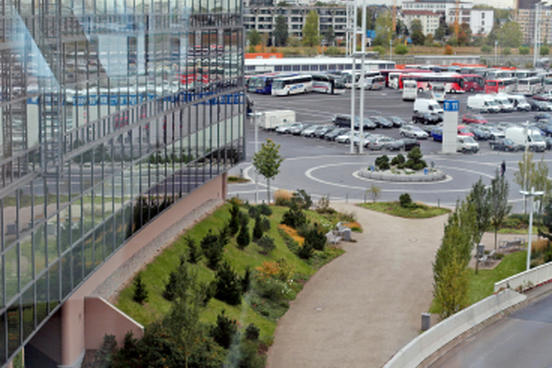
(544,50)
(246,280)
(451,292)
(315,238)
(305,251)
(257,229)
(280,31)
(415,161)
(294,217)
(234,224)
(211,247)
(480,200)
(416,32)
(524,50)
(194,253)
(498,199)
(448,50)
(329,36)
(310,30)
(254,37)
(228,285)
(267,163)
(401,49)
(224,331)
(140,292)
(243,238)
(267,244)
(374,192)
(405,201)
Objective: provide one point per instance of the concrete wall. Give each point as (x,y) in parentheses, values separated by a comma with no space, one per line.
(419,349)
(78,335)
(527,279)
(103,318)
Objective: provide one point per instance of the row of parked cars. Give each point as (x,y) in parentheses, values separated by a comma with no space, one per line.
(340,131)
(503,102)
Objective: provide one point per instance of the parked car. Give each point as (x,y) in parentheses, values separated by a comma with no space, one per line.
(505,144)
(333,134)
(284,128)
(437,134)
(346,137)
(543,97)
(309,130)
(412,131)
(466,144)
(495,132)
(384,142)
(382,121)
(539,105)
(464,131)
(409,143)
(296,128)
(426,118)
(397,121)
(545,126)
(322,131)
(344,120)
(473,119)
(480,133)
(543,116)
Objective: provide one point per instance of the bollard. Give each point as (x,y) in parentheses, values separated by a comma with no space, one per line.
(426,321)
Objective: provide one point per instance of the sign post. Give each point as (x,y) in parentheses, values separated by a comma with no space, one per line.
(450,126)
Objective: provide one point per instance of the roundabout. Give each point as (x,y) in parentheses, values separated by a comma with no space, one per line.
(420,176)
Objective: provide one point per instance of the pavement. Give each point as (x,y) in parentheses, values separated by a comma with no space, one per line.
(361,308)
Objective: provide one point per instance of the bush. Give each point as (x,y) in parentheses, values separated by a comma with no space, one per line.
(405,200)
(265,224)
(305,251)
(243,238)
(234,224)
(544,50)
(224,330)
(486,49)
(194,253)
(401,49)
(398,160)
(170,288)
(315,238)
(379,49)
(257,229)
(302,199)
(506,51)
(294,217)
(334,51)
(323,206)
(382,162)
(228,285)
(448,50)
(524,50)
(246,280)
(212,249)
(140,293)
(282,197)
(253,211)
(266,243)
(264,209)
(415,161)
(252,332)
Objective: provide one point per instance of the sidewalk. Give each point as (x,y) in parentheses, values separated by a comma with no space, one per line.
(361,308)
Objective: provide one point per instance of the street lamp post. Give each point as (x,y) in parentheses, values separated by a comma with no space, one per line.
(256,150)
(530,194)
(496,60)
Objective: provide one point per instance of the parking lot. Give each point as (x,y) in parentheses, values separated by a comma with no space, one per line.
(327,168)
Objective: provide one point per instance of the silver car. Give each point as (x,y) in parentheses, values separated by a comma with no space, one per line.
(412,131)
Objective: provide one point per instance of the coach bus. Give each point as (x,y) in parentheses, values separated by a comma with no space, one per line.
(312,65)
(327,83)
(529,86)
(473,83)
(291,85)
(505,85)
(453,83)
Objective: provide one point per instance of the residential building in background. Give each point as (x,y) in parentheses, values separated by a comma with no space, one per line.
(428,18)
(263,19)
(115,117)
(527,15)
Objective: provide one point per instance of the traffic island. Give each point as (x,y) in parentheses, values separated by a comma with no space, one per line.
(394,175)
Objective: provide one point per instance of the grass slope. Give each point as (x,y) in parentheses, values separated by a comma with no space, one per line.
(156,274)
(394,208)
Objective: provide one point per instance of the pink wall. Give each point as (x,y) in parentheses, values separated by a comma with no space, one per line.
(103,318)
(76,333)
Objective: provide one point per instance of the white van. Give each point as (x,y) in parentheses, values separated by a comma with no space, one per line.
(427,105)
(504,102)
(523,135)
(410,90)
(519,102)
(483,103)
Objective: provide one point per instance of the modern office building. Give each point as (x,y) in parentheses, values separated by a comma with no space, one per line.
(112,115)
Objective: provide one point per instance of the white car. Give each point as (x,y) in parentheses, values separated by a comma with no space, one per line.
(284,128)
(346,138)
(412,131)
(466,144)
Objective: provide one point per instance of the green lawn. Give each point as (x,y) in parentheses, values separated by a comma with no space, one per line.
(237,180)
(394,208)
(481,285)
(156,274)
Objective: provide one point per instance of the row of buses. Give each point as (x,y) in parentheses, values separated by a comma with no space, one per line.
(278,84)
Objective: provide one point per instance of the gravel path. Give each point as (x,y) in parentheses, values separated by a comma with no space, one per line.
(361,308)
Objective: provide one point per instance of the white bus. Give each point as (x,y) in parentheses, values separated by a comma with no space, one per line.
(410,90)
(438,91)
(292,85)
(326,83)
(393,80)
(311,65)
(529,86)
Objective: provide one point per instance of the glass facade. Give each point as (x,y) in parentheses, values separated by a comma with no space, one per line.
(110,111)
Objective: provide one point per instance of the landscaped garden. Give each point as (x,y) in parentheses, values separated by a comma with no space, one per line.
(226,282)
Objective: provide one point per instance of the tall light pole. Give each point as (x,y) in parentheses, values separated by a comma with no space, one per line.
(496,45)
(362,73)
(530,194)
(353,75)
(256,150)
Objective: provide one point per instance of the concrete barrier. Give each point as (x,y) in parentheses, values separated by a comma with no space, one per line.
(435,175)
(427,343)
(526,279)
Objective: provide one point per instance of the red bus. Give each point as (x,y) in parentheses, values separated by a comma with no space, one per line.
(500,85)
(473,83)
(453,82)
(385,73)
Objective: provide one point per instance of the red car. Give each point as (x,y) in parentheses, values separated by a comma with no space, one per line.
(465,131)
(473,119)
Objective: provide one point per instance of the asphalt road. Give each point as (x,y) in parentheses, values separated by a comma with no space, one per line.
(519,340)
(327,169)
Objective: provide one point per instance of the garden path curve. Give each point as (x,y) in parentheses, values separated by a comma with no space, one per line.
(361,308)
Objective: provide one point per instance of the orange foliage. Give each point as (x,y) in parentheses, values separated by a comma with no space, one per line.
(282,194)
(268,269)
(292,233)
(352,225)
(539,244)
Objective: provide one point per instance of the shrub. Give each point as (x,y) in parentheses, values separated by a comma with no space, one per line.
(305,251)
(243,238)
(282,197)
(348,216)
(264,209)
(415,161)
(252,332)
(228,285)
(265,224)
(379,49)
(486,49)
(506,51)
(194,253)
(405,200)
(234,224)
(323,206)
(315,239)
(246,280)
(294,217)
(266,243)
(140,293)
(448,50)
(401,49)
(398,160)
(334,51)
(524,50)
(212,249)
(253,211)
(382,162)
(544,50)
(224,330)
(302,199)
(170,288)
(257,229)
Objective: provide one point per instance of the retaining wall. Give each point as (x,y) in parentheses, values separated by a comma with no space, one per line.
(423,346)
(526,279)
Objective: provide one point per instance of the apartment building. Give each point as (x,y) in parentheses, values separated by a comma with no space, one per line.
(263,19)
(115,123)
(526,17)
(428,18)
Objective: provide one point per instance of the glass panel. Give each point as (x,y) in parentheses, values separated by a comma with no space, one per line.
(54,294)
(77,264)
(26,261)
(42,297)
(51,231)
(28,312)
(39,246)
(14,334)
(12,270)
